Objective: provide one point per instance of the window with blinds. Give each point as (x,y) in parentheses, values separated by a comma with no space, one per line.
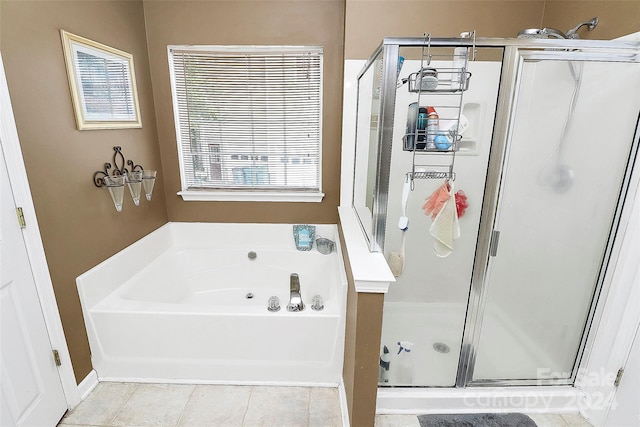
(248,118)
(105,85)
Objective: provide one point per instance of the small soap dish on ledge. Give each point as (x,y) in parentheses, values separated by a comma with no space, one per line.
(304,235)
(325,246)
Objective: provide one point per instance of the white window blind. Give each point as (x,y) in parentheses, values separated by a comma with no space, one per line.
(248,119)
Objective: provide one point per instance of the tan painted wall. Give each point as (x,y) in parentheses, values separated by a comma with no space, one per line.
(369,21)
(78,222)
(309,22)
(616,18)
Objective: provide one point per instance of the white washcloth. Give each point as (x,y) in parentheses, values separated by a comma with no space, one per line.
(446,228)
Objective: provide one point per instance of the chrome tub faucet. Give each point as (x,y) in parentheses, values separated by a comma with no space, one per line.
(295,297)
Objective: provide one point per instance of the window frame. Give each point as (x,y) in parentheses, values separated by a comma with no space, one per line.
(250,194)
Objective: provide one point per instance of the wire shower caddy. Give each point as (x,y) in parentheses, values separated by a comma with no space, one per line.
(441,89)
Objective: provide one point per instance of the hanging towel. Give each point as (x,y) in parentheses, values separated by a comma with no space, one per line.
(445,228)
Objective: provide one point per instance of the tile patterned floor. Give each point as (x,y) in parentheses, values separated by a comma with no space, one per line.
(144,405)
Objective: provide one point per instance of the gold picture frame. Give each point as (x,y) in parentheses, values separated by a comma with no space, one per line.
(102,83)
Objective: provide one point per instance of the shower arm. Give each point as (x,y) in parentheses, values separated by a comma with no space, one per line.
(573,33)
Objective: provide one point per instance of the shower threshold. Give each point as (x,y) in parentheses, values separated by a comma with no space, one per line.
(534,399)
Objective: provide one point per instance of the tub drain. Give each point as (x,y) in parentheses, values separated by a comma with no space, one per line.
(441,347)
(249,295)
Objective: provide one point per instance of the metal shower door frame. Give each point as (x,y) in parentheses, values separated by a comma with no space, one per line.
(514,57)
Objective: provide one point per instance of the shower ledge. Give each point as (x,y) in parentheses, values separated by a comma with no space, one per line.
(370,270)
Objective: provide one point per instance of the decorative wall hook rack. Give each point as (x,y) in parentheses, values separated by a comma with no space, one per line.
(125,171)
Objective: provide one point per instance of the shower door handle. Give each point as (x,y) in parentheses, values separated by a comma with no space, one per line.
(493,246)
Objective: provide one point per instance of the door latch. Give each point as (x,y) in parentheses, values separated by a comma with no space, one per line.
(493,246)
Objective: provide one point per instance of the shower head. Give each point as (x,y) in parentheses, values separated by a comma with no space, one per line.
(591,24)
(552,33)
(544,33)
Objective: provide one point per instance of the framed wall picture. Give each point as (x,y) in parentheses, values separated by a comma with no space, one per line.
(103,84)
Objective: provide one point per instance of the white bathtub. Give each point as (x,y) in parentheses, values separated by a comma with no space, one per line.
(173,307)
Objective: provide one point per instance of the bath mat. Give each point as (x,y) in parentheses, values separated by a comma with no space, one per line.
(476,420)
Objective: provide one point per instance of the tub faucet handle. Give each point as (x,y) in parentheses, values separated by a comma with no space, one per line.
(317,303)
(295,296)
(274,303)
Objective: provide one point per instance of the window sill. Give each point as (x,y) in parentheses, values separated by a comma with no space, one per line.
(248,196)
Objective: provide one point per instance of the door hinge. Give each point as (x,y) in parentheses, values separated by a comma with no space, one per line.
(21,220)
(56,358)
(493,246)
(618,377)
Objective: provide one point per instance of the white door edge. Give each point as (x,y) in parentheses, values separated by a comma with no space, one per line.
(617,317)
(33,241)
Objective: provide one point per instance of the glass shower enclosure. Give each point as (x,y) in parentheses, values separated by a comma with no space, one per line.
(542,142)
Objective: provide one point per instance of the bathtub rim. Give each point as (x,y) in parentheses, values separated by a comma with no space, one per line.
(166,236)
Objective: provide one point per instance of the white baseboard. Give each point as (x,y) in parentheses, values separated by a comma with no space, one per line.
(87,385)
(344,409)
(147,380)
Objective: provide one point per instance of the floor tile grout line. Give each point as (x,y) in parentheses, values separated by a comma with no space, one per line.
(308,406)
(246,409)
(186,404)
(135,387)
